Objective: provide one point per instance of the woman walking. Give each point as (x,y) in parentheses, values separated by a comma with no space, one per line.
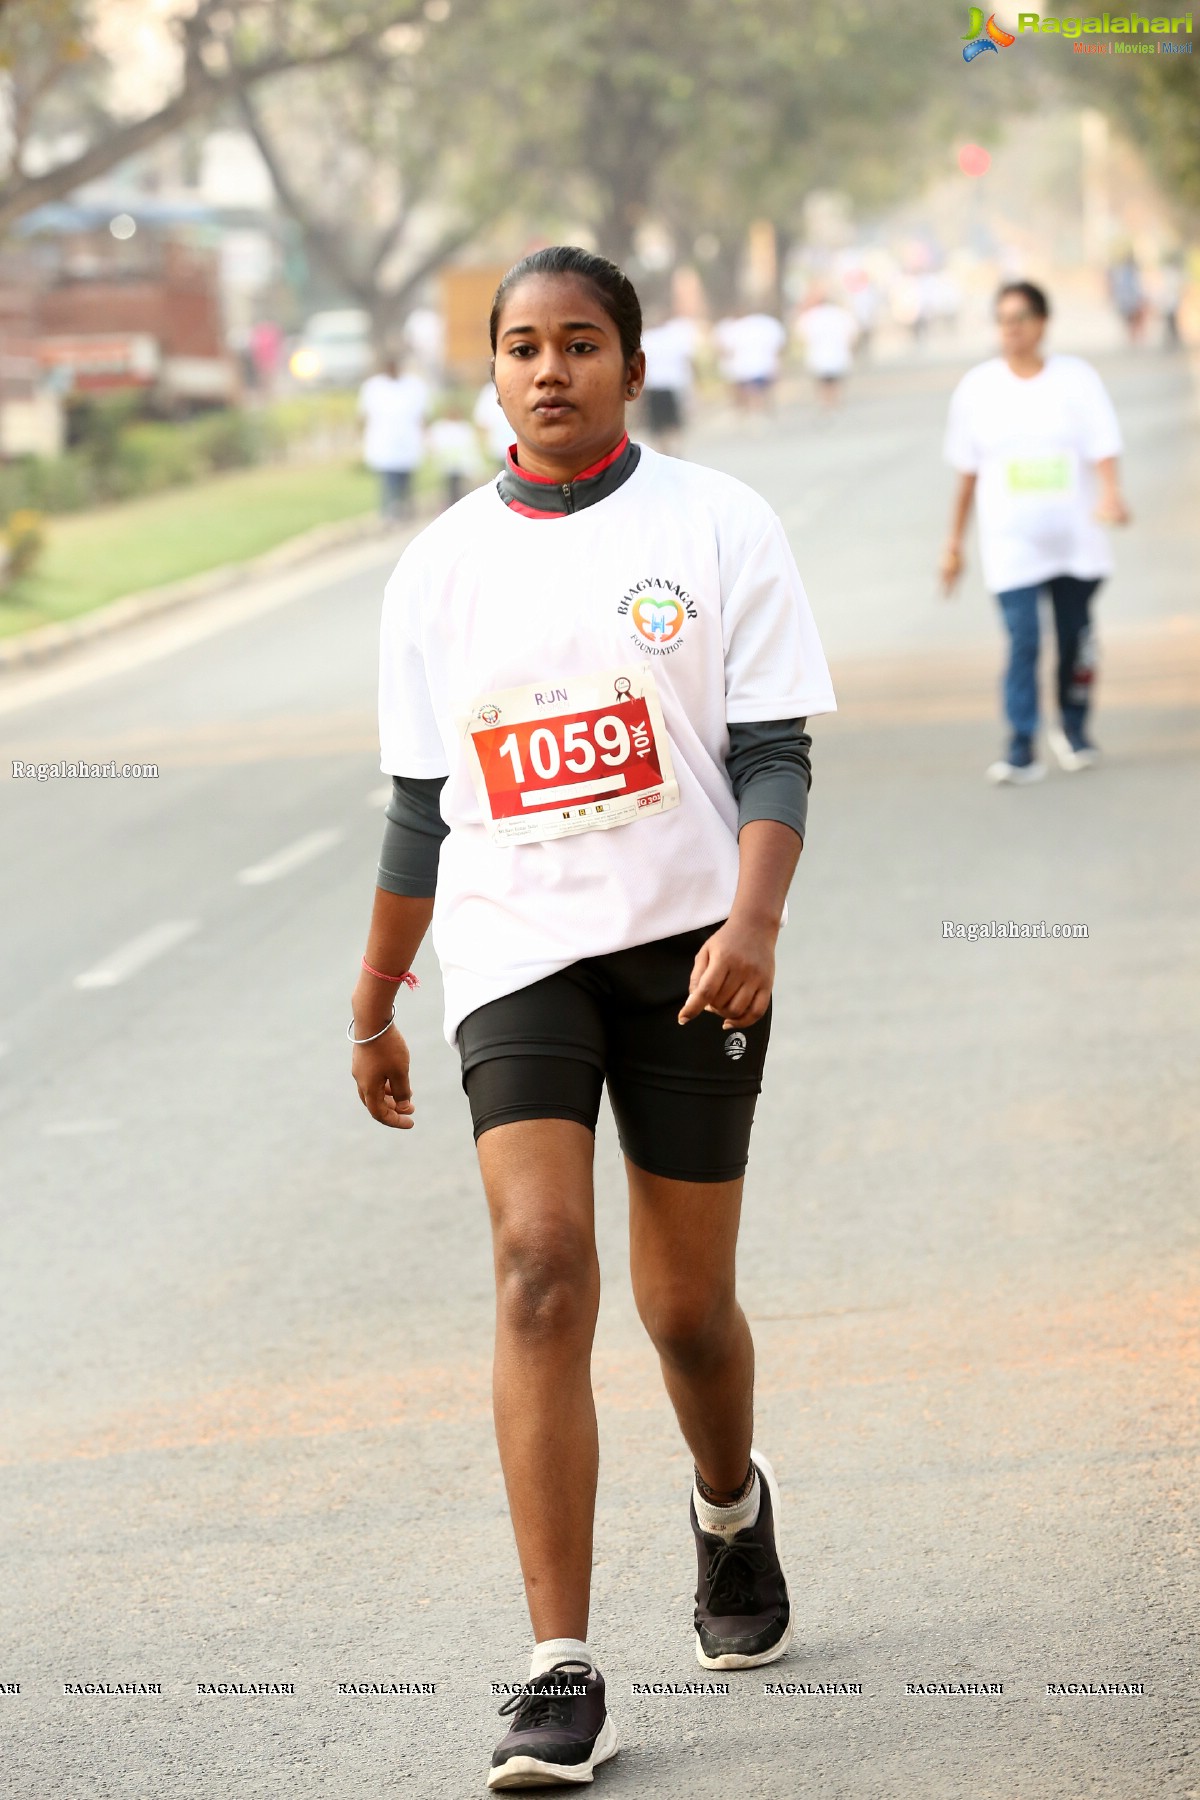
(1037,440)
(595,676)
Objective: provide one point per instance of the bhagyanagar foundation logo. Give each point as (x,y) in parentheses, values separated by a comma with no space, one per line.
(657,610)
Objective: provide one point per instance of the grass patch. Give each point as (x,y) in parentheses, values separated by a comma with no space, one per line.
(91,557)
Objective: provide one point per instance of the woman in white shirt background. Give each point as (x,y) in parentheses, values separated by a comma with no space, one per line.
(393,408)
(1035,441)
(828,333)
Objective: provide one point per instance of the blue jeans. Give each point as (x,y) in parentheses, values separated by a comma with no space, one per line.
(1071,599)
(395,489)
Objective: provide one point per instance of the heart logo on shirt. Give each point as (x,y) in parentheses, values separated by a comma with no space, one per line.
(658,621)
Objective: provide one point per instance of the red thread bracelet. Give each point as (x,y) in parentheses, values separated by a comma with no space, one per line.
(408,979)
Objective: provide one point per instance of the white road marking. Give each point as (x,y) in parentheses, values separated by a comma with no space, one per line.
(293,856)
(380,796)
(137,953)
(67,1128)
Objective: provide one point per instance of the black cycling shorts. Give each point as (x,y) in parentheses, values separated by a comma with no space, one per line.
(683,1095)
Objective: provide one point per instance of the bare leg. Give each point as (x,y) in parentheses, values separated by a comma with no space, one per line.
(538,1177)
(682,1251)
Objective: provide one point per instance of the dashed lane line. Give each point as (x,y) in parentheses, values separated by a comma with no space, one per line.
(133,956)
(292,856)
(72,1128)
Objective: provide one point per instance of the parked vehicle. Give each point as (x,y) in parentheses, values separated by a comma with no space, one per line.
(334,350)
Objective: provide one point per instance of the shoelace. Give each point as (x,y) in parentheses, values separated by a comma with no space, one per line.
(730,1575)
(534,1707)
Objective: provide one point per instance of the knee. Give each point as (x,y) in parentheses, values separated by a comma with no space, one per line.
(547,1283)
(688,1328)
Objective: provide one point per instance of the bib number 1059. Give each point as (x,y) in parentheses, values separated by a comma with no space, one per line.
(583,747)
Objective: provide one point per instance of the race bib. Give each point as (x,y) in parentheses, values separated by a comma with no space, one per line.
(584,755)
(1052,474)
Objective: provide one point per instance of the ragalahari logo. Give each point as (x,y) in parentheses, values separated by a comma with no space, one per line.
(993,37)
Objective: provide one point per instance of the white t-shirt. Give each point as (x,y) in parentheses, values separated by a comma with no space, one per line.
(684,572)
(669,351)
(828,333)
(489,416)
(454,447)
(750,347)
(394,409)
(1033,443)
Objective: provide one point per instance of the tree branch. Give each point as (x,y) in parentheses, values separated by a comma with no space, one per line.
(201,91)
(324,242)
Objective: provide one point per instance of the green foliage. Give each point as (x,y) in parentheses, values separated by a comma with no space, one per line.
(24,539)
(1159,102)
(119,455)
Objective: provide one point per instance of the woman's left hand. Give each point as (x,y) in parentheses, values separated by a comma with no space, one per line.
(1111,509)
(733,975)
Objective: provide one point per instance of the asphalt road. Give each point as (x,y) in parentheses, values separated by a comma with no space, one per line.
(245,1333)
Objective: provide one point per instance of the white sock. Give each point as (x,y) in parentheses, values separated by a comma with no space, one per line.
(725,1521)
(556,1650)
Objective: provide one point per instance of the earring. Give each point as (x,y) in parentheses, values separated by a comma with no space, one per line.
(632,392)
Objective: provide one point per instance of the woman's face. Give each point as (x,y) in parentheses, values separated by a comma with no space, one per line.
(1021,330)
(560,372)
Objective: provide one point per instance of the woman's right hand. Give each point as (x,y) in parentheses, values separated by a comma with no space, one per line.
(380,1072)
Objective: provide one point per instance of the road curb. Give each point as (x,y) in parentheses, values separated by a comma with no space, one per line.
(41,644)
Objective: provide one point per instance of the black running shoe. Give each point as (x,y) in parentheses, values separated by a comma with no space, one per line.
(743,1615)
(560,1730)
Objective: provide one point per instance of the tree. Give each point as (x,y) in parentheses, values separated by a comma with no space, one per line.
(710,113)
(54,71)
(1160,106)
(391,165)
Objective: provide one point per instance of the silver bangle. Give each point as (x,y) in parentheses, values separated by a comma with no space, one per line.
(374,1034)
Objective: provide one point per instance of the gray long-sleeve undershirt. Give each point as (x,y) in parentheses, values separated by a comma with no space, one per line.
(768,766)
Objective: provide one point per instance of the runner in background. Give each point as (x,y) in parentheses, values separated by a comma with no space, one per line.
(866,304)
(393,408)
(669,347)
(454,450)
(828,333)
(1128,294)
(493,428)
(1036,440)
(1169,298)
(595,677)
(749,348)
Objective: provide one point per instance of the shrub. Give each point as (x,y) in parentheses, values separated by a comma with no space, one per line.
(230,439)
(149,458)
(24,541)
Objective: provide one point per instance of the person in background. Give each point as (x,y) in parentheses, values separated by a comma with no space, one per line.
(266,352)
(454,448)
(669,345)
(865,303)
(827,332)
(393,408)
(910,306)
(750,347)
(1037,439)
(493,428)
(1171,284)
(1128,295)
